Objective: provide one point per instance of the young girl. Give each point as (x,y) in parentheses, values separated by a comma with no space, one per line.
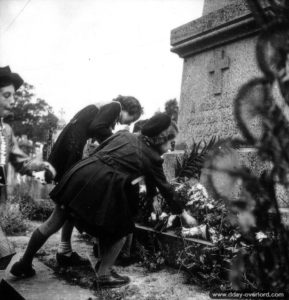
(91,122)
(100,196)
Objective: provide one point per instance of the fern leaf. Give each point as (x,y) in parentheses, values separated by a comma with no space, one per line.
(191,164)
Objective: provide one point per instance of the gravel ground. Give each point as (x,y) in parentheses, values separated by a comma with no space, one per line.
(165,284)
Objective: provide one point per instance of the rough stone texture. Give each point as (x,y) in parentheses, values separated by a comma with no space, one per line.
(250,159)
(246,157)
(219,52)
(225,25)
(213,5)
(204,113)
(219,57)
(209,22)
(170,161)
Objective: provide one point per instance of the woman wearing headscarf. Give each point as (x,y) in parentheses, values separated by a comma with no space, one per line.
(100,195)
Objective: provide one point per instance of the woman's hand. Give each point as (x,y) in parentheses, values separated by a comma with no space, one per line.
(46,175)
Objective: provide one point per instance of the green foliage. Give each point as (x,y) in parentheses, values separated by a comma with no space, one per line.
(12,220)
(208,265)
(31,209)
(205,265)
(34,210)
(150,253)
(192,162)
(32,118)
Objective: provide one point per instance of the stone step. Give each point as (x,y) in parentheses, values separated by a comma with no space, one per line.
(45,285)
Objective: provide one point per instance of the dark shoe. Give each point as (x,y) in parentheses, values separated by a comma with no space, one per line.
(109,281)
(73,260)
(112,272)
(21,270)
(116,275)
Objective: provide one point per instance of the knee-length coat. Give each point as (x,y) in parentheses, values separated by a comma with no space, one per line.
(98,191)
(90,122)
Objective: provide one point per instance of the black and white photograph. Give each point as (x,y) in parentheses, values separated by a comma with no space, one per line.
(144,149)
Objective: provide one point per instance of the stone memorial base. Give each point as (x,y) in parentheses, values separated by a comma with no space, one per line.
(170,162)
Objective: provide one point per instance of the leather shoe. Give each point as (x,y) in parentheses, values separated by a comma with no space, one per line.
(113,273)
(109,281)
(21,270)
(116,275)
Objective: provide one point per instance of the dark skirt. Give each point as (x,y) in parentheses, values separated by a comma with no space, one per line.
(99,198)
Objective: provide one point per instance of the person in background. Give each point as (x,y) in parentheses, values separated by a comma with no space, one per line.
(92,122)
(9,148)
(99,195)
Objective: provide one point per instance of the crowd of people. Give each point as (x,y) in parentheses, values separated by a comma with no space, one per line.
(97,194)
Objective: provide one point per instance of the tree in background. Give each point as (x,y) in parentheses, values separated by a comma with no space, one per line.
(172,109)
(33,118)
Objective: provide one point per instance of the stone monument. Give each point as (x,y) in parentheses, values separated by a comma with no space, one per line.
(219,56)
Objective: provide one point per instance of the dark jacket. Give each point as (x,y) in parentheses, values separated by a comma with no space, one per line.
(90,122)
(98,191)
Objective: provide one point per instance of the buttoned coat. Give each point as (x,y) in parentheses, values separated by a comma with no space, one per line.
(98,191)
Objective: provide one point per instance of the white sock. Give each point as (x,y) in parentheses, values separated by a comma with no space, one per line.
(65,248)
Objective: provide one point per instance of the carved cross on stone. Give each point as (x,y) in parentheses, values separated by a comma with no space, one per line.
(216,66)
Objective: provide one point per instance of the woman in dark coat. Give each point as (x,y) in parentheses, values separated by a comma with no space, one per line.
(99,194)
(95,122)
(91,122)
